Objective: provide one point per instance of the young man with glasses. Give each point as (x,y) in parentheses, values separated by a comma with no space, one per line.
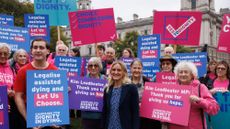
(39,50)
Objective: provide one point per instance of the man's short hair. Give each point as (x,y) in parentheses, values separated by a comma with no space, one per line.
(101,47)
(37,40)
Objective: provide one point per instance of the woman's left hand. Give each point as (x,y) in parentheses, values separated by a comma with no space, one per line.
(194,98)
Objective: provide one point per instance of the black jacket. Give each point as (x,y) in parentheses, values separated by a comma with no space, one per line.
(128,107)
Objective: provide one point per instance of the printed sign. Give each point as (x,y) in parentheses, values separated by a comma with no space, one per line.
(47,98)
(224,39)
(221,120)
(181,27)
(167,103)
(86,93)
(70,64)
(198,58)
(56,9)
(38,26)
(4,124)
(6,20)
(16,37)
(92,26)
(166,78)
(127,62)
(148,53)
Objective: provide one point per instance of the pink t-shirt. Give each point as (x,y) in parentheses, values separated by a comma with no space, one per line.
(221,84)
(212,76)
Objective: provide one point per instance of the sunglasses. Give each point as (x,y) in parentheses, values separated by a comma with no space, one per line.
(221,68)
(93,65)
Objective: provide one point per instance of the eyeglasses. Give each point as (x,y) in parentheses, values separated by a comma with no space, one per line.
(93,65)
(221,68)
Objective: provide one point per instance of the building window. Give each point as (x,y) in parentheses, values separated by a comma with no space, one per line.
(119,35)
(146,32)
(90,49)
(193,4)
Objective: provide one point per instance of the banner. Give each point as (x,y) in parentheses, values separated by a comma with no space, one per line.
(92,26)
(127,62)
(6,20)
(182,28)
(56,9)
(4,121)
(47,98)
(38,26)
(224,39)
(149,53)
(16,37)
(86,93)
(221,120)
(167,103)
(166,78)
(198,58)
(70,64)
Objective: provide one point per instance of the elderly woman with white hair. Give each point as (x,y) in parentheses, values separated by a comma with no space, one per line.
(200,98)
(20,58)
(92,120)
(7,76)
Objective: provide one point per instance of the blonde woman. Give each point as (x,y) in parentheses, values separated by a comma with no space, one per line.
(121,108)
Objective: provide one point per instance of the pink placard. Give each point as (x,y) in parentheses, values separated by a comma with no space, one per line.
(166,78)
(92,26)
(179,27)
(167,103)
(224,39)
(1,118)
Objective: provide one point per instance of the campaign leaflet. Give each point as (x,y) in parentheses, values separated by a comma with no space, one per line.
(166,103)
(149,53)
(86,93)
(47,98)
(4,121)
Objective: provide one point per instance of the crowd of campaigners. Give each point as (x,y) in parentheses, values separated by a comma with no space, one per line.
(123,94)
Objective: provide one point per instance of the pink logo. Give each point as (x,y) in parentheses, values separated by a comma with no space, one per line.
(181,27)
(48,99)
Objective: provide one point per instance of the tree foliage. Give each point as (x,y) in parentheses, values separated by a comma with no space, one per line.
(130,41)
(17,9)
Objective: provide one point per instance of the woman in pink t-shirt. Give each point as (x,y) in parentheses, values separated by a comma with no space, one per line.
(222,81)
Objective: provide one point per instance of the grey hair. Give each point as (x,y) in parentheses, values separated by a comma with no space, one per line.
(96,60)
(169,48)
(59,45)
(187,65)
(18,52)
(2,45)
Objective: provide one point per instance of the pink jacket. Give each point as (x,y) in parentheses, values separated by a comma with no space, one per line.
(207,103)
(6,76)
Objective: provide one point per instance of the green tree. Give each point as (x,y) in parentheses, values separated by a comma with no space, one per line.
(183,49)
(130,41)
(54,37)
